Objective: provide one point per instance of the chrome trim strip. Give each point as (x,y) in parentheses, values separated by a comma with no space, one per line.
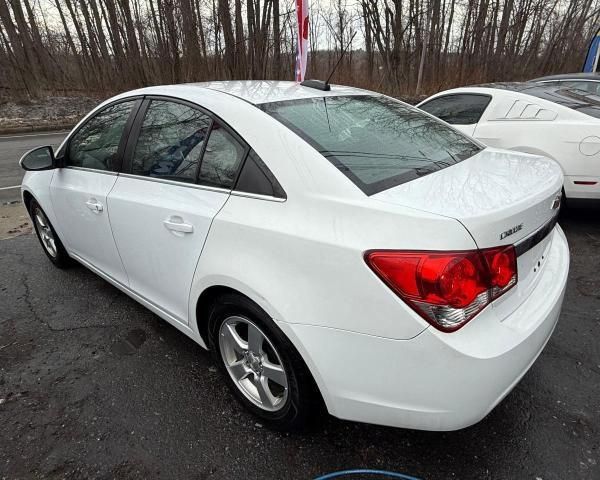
(175,182)
(536,237)
(258,196)
(93,170)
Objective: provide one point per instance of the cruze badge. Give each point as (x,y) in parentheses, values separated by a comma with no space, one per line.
(510,231)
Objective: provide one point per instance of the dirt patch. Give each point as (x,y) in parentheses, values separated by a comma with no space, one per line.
(14,221)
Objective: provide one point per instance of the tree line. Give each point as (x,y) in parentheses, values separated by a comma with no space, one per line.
(400,47)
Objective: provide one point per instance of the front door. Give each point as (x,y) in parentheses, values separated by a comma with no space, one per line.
(80,189)
(182,167)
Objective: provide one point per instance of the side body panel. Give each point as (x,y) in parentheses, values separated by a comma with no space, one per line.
(523,123)
(160,229)
(302,260)
(37,184)
(79,198)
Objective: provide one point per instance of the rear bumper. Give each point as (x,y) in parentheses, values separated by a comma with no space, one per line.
(581,191)
(435,381)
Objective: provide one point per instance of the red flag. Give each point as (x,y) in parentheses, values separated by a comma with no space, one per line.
(302,44)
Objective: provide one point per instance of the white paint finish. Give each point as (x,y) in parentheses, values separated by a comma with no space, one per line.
(489,193)
(521,122)
(302,261)
(586,191)
(160,259)
(264,91)
(590,146)
(418,386)
(86,231)
(466,129)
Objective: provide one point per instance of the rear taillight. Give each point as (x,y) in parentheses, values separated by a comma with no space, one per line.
(447,288)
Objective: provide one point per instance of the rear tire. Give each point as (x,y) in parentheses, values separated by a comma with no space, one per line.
(49,239)
(260,365)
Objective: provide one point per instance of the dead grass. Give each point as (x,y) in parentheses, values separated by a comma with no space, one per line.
(14,221)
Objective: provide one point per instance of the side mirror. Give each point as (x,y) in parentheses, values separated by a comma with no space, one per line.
(40,158)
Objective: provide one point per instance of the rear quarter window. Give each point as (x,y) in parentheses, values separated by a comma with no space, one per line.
(377,142)
(459,109)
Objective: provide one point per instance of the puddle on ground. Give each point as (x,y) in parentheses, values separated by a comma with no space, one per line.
(131,343)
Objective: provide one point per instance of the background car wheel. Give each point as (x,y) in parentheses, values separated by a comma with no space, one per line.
(261,366)
(47,236)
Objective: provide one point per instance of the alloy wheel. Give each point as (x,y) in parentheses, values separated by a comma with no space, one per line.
(253,363)
(45,232)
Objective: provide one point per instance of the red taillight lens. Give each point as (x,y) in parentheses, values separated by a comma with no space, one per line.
(502,263)
(447,288)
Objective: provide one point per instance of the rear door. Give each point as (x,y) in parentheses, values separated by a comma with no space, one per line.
(181,165)
(463,110)
(79,190)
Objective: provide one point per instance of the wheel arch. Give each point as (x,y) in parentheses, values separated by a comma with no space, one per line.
(204,304)
(216,285)
(27,198)
(207,299)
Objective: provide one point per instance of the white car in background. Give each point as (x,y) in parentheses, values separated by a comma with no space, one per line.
(555,121)
(331,247)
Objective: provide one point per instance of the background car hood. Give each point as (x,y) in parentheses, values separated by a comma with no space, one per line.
(499,196)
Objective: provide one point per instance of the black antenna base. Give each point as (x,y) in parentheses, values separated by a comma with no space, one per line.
(318,84)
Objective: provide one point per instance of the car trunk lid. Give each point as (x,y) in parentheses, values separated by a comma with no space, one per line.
(500,197)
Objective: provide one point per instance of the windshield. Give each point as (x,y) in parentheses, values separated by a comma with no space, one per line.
(375,141)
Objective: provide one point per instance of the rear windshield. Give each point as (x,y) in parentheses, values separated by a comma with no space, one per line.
(375,141)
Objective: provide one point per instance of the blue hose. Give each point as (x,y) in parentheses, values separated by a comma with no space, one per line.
(365,472)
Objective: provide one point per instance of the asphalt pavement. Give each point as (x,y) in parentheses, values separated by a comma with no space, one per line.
(12,147)
(93,385)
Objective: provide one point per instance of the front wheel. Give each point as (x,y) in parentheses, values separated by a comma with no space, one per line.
(260,365)
(47,236)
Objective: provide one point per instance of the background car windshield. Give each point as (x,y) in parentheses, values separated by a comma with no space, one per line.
(376,142)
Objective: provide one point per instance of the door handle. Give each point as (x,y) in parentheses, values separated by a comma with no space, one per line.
(94,205)
(176,224)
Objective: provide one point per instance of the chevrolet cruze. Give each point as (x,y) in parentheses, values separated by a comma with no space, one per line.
(333,247)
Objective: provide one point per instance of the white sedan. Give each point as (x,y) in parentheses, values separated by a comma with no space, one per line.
(555,121)
(332,248)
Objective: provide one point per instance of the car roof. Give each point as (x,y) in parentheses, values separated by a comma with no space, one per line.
(569,76)
(259,92)
(561,95)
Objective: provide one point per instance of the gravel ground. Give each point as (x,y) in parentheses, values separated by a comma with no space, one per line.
(92,385)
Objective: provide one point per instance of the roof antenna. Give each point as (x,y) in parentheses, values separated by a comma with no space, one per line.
(324,85)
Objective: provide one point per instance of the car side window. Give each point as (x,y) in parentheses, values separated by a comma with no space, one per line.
(591,87)
(171,141)
(256,177)
(459,109)
(222,158)
(96,144)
